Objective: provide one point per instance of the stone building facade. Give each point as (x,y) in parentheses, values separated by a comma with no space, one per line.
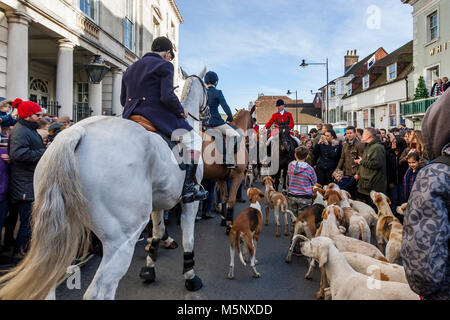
(45,46)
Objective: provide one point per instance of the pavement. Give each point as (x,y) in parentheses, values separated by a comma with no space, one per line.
(279,280)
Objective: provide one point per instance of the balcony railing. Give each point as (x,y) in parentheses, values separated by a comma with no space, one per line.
(417,106)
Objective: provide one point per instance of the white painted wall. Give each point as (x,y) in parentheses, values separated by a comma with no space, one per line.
(3,53)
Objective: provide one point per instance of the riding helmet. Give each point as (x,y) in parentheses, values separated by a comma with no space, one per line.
(280,102)
(162,44)
(211,77)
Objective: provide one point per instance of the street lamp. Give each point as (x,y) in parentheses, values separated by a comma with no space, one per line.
(96,70)
(296,106)
(304,65)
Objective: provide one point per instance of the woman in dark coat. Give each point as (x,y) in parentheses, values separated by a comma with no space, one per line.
(327,153)
(395,172)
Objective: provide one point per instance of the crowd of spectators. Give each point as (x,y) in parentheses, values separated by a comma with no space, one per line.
(26,132)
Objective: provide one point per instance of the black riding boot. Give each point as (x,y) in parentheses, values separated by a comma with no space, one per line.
(190,192)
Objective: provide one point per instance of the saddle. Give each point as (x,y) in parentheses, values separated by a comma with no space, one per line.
(148,125)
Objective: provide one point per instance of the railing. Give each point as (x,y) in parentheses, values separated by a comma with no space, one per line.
(51,107)
(417,106)
(81,111)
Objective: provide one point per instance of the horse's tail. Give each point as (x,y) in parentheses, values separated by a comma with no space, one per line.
(60,223)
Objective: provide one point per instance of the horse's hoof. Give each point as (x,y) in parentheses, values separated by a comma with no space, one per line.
(193,284)
(148,274)
(172,245)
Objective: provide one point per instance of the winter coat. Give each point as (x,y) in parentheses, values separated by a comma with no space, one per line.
(6,120)
(147,90)
(372,169)
(408,182)
(326,157)
(3,176)
(216,98)
(317,138)
(25,149)
(395,169)
(346,162)
(426,226)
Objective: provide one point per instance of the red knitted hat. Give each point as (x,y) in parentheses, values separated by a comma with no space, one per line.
(26,108)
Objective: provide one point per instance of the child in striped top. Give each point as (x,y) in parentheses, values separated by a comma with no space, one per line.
(302,176)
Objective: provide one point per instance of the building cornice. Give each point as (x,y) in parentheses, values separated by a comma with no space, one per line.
(177,11)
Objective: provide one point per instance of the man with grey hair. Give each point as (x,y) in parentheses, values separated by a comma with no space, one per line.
(372,166)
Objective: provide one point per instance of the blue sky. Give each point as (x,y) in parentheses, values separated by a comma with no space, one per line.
(256,46)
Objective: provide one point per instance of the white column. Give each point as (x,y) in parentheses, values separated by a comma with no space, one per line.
(64,78)
(95,98)
(117,108)
(17,60)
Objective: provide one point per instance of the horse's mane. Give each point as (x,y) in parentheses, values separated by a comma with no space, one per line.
(238,113)
(186,88)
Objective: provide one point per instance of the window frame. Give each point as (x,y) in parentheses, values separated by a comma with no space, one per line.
(94,9)
(429,26)
(349,89)
(388,72)
(371,62)
(129,35)
(364,82)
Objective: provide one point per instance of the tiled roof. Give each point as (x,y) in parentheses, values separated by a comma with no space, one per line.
(404,58)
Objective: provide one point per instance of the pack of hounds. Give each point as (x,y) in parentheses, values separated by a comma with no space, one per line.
(335,231)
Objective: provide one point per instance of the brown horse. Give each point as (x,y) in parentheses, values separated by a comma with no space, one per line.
(220,173)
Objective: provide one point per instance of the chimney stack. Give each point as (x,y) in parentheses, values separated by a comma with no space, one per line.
(350,59)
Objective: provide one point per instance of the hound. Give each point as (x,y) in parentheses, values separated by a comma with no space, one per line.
(363,209)
(330,228)
(306,224)
(247,227)
(249,176)
(389,228)
(357,227)
(277,201)
(376,269)
(340,274)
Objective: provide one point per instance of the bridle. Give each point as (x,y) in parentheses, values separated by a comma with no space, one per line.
(205,97)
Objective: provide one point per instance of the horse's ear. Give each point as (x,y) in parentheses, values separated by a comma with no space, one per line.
(202,74)
(184,74)
(253,109)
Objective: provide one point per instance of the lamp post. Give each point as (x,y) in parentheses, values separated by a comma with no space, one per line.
(96,70)
(304,65)
(296,106)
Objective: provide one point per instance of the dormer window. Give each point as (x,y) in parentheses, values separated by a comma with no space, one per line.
(366,82)
(371,62)
(392,72)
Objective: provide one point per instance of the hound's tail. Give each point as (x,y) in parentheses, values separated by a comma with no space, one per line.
(238,246)
(60,223)
(363,233)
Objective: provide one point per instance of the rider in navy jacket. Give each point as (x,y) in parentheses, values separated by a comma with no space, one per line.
(216,98)
(147,91)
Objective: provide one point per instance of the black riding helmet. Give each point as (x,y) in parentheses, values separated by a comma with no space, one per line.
(211,78)
(162,44)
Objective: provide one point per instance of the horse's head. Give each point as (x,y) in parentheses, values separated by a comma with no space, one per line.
(194,97)
(286,144)
(243,119)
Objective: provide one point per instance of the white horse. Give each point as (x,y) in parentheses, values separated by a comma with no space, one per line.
(104,174)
